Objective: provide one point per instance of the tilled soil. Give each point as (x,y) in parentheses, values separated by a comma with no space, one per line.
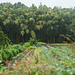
(20,56)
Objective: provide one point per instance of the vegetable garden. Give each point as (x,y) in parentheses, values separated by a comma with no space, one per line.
(43,60)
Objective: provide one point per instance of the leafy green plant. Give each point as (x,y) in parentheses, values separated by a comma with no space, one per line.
(10,51)
(32,47)
(33,41)
(18,47)
(2,68)
(40,43)
(26,44)
(32,44)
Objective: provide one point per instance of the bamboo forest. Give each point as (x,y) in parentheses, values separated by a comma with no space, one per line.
(36,40)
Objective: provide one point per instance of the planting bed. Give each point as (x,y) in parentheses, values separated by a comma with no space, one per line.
(45,60)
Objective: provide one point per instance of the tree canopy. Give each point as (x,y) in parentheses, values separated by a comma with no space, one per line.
(20,22)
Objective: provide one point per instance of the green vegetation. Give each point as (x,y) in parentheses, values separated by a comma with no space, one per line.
(43,61)
(8,54)
(60,44)
(2,67)
(10,51)
(46,24)
(40,43)
(24,34)
(32,44)
(4,41)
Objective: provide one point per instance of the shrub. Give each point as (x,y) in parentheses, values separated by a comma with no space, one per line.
(26,44)
(33,41)
(4,56)
(2,68)
(32,44)
(40,43)
(18,47)
(32,47)
(10,51)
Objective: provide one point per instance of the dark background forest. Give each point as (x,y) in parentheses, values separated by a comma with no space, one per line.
(45,24)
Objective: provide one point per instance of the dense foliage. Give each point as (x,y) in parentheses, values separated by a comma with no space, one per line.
(4,41)
(31,45)
(45,24)
(9,52)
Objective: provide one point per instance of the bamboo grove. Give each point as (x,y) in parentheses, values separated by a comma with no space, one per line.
(44,23)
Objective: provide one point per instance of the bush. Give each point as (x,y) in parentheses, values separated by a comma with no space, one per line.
(4,40)
(10,51)
(32,44)
(18,47)
(26,44)
(2,68)
(40,43)
(32,47)
(33,41)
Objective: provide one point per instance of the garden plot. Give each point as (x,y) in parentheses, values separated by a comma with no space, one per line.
(46,60)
